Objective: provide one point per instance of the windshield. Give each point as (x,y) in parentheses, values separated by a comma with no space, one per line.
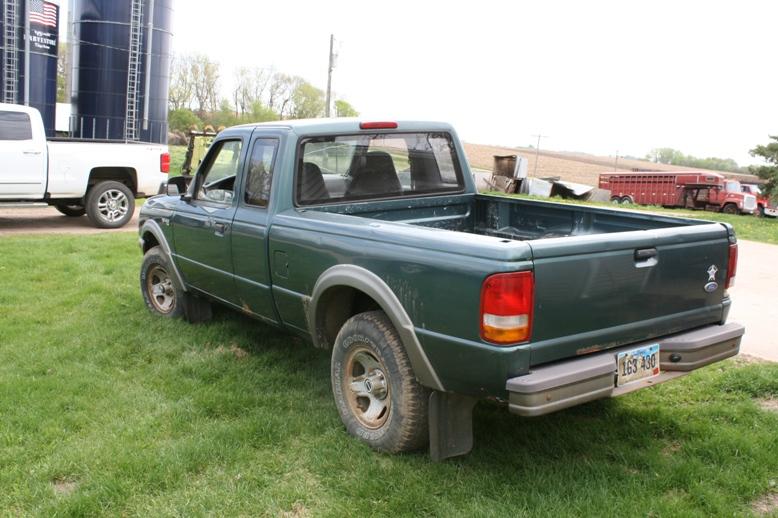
(360,167)
(733,186)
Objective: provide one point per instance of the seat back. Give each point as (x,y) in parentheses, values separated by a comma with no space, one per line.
(376,175)
(310,184)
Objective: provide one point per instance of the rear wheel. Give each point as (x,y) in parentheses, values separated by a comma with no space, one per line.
(615,199)
(626,200)
(73,211)
(110,204)
(375,389)
(730,208)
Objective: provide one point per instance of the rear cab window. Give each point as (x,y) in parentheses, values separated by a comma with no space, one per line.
(15,126)
(342,168)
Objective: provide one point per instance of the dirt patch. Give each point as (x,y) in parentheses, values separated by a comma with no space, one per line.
(768,504)
(298,511)
(747,359)
(234,349)
(671,449)
(16,221)
(771,405)
(63,487)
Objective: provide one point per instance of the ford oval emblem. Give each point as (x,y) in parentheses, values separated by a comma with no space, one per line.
(711,287)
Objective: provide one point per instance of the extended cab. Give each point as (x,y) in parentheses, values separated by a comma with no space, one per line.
(97,178)
(370,240)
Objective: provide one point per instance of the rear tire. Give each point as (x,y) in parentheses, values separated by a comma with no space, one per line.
(162,293)
(626,200)
(730,208)
(73,211)
(376,392)
(110,204)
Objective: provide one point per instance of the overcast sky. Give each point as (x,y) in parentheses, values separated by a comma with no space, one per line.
(595,76)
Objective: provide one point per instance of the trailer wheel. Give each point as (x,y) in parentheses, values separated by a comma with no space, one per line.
(627,200)
(730,208)
(110,204)
(615,199)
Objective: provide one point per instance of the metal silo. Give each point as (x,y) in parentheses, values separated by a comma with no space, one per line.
(28,68)
(120,69)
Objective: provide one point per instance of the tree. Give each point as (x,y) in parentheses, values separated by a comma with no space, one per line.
(769,172)
(307,101)
(250,86)
(204,74)
(63,73)
(667,155)
(182,120)
(181,90)
(344,109)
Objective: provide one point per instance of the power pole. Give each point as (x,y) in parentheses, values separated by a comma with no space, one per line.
(329,76)
(616,161)
(537,152)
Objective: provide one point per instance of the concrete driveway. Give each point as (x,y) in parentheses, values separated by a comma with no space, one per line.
(755,298)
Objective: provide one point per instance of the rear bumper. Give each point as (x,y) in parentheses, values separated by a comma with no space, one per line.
(571,382)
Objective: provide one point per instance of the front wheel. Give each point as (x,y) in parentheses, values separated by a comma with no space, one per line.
(730,208)
(110,204)
(73,211)
(162,293)
(376,392)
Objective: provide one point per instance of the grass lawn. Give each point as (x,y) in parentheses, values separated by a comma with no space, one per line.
(105,409)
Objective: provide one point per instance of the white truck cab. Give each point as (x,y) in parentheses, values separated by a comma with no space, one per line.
(99,178)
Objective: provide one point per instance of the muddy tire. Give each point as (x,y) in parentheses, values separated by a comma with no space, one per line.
(162,293)
(730,208)
(110,204)
(376,392)
(73,211)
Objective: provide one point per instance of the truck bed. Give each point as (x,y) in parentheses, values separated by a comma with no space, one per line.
(586,258)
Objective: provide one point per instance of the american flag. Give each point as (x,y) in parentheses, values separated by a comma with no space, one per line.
(44,13)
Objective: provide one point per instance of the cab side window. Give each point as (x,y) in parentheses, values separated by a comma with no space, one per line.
(259,177)
(216,182)
(15,126)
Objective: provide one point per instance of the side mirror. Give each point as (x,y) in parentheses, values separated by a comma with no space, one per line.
(177,185)
(172,190)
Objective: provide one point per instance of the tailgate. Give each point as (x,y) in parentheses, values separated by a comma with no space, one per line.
(602,291)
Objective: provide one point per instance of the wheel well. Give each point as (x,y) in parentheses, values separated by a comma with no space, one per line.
(125,175)
(149,242)
(336,305)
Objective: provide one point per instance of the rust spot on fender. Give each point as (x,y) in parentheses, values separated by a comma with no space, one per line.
(244,305)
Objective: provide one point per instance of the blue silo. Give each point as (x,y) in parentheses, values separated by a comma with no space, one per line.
(120,69)
(34,57)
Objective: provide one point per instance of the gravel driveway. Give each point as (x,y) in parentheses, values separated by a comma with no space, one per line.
(48,220)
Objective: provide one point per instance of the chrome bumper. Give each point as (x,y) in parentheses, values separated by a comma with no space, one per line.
(571,382)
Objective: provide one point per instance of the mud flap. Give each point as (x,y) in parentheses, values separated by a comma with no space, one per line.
(451,425)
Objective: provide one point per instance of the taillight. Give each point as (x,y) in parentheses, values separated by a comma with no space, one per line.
(378,125)
(164,163)
(506,307)
(731,266)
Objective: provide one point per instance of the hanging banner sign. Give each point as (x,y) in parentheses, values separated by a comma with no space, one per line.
(44,34)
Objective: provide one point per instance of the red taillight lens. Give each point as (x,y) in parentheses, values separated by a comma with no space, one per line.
(731,266)
(164,163)
(506,307)
(378,125)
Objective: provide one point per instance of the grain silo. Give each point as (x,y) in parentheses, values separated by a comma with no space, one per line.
(120,69)
(28,66)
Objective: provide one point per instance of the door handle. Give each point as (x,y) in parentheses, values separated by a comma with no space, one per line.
(220,228)
(645,257)
(31,152)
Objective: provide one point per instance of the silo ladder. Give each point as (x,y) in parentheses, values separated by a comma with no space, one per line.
(133,66)
(11,51)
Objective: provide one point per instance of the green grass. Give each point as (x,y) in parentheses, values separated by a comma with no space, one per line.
(107,410)
(746,226)
(177,155)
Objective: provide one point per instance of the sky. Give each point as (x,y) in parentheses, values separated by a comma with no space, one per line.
(597,76)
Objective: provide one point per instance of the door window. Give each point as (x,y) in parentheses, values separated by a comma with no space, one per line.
(216,178)
(260,173)
(15,126)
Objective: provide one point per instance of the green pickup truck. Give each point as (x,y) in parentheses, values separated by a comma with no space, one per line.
(370,239)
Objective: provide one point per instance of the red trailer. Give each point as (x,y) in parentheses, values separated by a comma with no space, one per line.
(689,189)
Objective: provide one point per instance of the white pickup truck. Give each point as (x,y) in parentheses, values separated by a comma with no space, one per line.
(97,178)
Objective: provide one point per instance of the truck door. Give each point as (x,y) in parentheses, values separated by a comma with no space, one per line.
(22,155)
(250,229)
(202,227)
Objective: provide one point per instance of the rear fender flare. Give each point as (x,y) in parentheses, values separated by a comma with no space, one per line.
(153,228)
(356,277)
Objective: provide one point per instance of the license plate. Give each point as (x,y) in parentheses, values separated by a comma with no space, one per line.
(637,364)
